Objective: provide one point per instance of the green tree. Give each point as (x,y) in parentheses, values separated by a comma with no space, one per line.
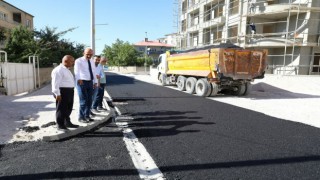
(2,35)
(53,49)
(20,45)
(121,54)
(46,43)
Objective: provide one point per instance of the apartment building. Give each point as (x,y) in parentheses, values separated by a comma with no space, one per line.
(11,16)
(289,29)
(152,48)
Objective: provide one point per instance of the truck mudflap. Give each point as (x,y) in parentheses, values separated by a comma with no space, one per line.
(242,64)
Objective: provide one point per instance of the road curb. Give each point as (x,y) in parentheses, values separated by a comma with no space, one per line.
(79,130)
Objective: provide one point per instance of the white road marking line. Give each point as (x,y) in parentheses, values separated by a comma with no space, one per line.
(141,159)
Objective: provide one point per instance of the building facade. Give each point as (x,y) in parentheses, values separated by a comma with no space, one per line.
(289,29)
(152,48)
(11,16)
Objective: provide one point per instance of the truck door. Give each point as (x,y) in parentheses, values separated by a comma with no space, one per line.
(162,67)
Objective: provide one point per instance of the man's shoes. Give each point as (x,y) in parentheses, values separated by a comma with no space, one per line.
(83,120)
(62,128)
(70,125)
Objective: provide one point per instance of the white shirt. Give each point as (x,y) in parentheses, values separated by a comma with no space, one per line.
(61,77)
(99,71)
(81,70)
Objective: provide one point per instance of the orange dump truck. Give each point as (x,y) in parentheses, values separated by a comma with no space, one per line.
(210,71)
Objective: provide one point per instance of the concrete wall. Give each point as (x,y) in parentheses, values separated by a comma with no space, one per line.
(18,77)
(45,75)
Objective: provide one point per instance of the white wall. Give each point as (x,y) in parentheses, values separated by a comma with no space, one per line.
(18,77)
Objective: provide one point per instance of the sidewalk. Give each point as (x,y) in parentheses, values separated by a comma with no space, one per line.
(35,113)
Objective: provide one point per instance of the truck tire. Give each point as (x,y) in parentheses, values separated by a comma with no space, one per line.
(209,88)
(162,79)
(181,83)
(248,89)
(202,87)
(190,85)
(240,90)
(215,89)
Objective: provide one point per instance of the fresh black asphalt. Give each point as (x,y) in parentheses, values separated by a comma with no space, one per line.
(100,154)
(192,137)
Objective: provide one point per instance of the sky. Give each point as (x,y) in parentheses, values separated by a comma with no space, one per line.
(127,20)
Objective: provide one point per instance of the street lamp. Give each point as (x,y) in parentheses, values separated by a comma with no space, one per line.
(93,26)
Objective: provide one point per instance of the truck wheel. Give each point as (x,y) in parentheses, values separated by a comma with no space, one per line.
(215,89)
(202,87)
(181,83)
(248,89)
(190,85)
(209,88)
(162,79)
(239,90)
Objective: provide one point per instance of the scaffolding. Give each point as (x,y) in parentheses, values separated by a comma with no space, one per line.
(288,28)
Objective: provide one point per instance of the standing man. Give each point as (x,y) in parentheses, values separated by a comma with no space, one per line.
(97,103)
(86,81)
(98,75)
(63,91)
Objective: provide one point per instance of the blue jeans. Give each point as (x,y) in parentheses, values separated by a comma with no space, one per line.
(97,102)
(85,92)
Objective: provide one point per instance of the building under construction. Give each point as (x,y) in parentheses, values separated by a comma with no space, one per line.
(289,29)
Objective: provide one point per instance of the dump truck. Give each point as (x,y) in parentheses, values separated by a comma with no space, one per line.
(206,72)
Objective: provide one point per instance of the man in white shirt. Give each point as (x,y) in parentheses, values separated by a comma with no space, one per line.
(86,81)
(63,91)
(97,101)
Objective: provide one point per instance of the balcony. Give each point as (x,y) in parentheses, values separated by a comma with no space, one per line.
(277,40)
(214,22)
(278,11)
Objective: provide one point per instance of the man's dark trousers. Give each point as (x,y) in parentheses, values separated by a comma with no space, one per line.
(99,97)
(64,106)
(85,92)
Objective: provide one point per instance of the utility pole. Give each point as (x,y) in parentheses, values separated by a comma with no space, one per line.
(92,27)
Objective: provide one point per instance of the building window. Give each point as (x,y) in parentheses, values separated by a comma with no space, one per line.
(212,11)
(234,7)
(316,63)
(17,17)
(3,16)
(194,18)
(28,23)
(193,39)
(212,35)
(183,26)
(184,6)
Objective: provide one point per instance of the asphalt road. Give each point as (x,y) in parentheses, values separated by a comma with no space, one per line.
(192,137)
(100,154)
(188,137)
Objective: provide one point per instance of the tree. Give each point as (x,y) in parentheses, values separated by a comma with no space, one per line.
(53,49)
(46,43)
(121,54)
(2,35)
(20,45)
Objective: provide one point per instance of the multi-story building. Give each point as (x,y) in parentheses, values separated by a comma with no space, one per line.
(152,48)
(289,29)
(11,16)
